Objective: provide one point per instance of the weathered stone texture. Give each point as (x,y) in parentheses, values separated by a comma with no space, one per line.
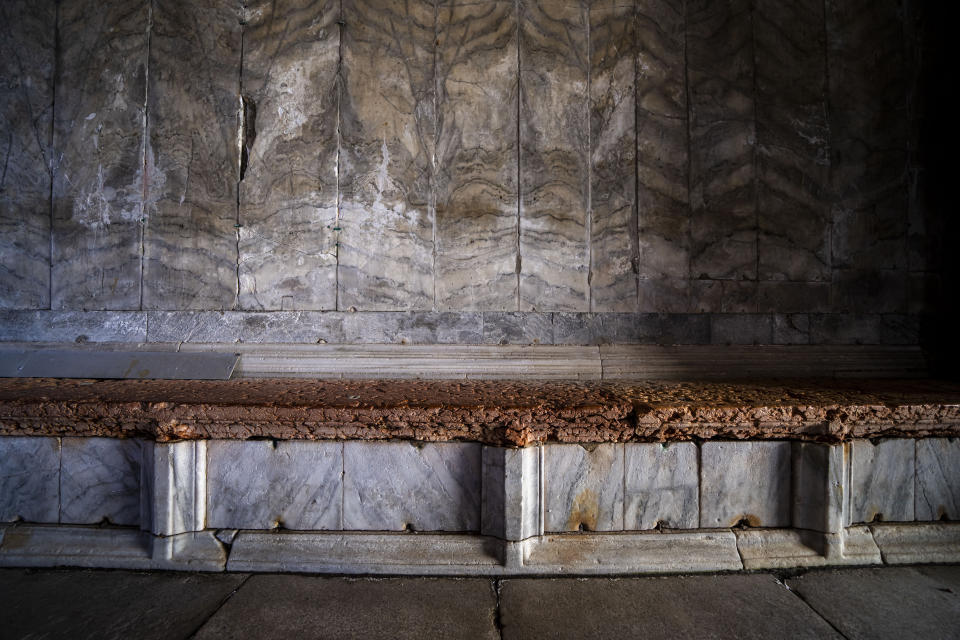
(583,488)
(554,152)
(30,479)
(288,191)
(190,243)
(100,480)
(882,479)
(103,170)
(661,486)
(938,479)
(745,482)
(477,239)
(388,146)
(27,63)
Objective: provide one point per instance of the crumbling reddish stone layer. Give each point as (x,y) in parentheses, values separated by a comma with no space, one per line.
(498,413)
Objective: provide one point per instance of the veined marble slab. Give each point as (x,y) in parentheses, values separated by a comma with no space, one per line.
(477,217)
(820,486)
(190,239)
(583,487)
(663,157)
(29,479)
(555,152)
(793,147)
(613,250)
(174,487)
(722,140)
(745,481)
(104,165)
(260,484)
(100,480)
(882,479)
(400,485)
(512,504)
(938,479)
(388,148)
(27,64)
(288,190)
(661,486)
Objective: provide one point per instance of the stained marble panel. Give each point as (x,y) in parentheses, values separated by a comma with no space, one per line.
(401,485)
(288,188)
(103,168)
(190,239)
(661,486)
(819,485)
(613,162)
(722,140)
(583,487)
(938,479)
(554,151)
(745,481)
(868,131)
(263,485)
(477,238)
(100,480)
(663,199)
(517,328)
(388,131)
(881,481)
(27,41)
(793,141)
(29,479)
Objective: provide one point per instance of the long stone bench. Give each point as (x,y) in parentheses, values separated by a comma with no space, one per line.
(477,477)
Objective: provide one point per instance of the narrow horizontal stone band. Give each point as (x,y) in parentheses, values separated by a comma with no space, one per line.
(491,412)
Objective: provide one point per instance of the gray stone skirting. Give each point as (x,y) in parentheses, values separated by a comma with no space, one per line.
(467,327)
(405,507)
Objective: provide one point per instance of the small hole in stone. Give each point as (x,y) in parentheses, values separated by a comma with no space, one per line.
(409,528)
(581,528)
(878,517)
(743,523)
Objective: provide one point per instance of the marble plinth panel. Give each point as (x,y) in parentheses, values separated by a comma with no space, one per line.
(100,480)
(174,487)
(661,486)
(938,479)
(745,481)
(400,485)
(819,485)
(511,492)
(29,479)
(583,487)
(881,481)
(263,485)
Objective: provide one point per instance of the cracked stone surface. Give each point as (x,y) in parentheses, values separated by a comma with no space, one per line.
(496,413)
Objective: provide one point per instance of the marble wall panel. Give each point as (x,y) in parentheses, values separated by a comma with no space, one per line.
(661,486)
(793,152)
(938,479)
(663,159)
(720,72)
(103,169)
(613,163)
(263,484)
(288,190)
(819,485)
(477,239)
(29,479)
(100,480)
(27,61)
(554,155)
(388,142)
(868,130)
(745,481)
(583,487)
(882,479)
(511,500)
(190,239)
(400,485)
(173,487)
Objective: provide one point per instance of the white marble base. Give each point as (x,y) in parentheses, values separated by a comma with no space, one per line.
(100,480)
(583,487)
(661,486)
(938,479)
(745,481)
(511,492)
(174,487)
(29,479)
(882,479)
(918,543)
(793,548)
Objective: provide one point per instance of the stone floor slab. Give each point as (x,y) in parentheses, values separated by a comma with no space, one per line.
(733,606)
(901,602)
(108,604)
(275,606)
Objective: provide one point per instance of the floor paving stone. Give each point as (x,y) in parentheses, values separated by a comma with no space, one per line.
(278,606)
(108,604)
(733,606)
(889,602)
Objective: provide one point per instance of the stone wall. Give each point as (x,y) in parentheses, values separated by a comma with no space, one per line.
(748,165)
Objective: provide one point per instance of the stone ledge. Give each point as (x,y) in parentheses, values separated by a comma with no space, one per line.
(496,413)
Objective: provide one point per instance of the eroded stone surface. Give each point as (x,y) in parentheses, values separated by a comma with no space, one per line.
(882,481)
(30,479)
(938,479)
(583,488)
(100,481)
(492,412)
(661,486)
(745,483)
